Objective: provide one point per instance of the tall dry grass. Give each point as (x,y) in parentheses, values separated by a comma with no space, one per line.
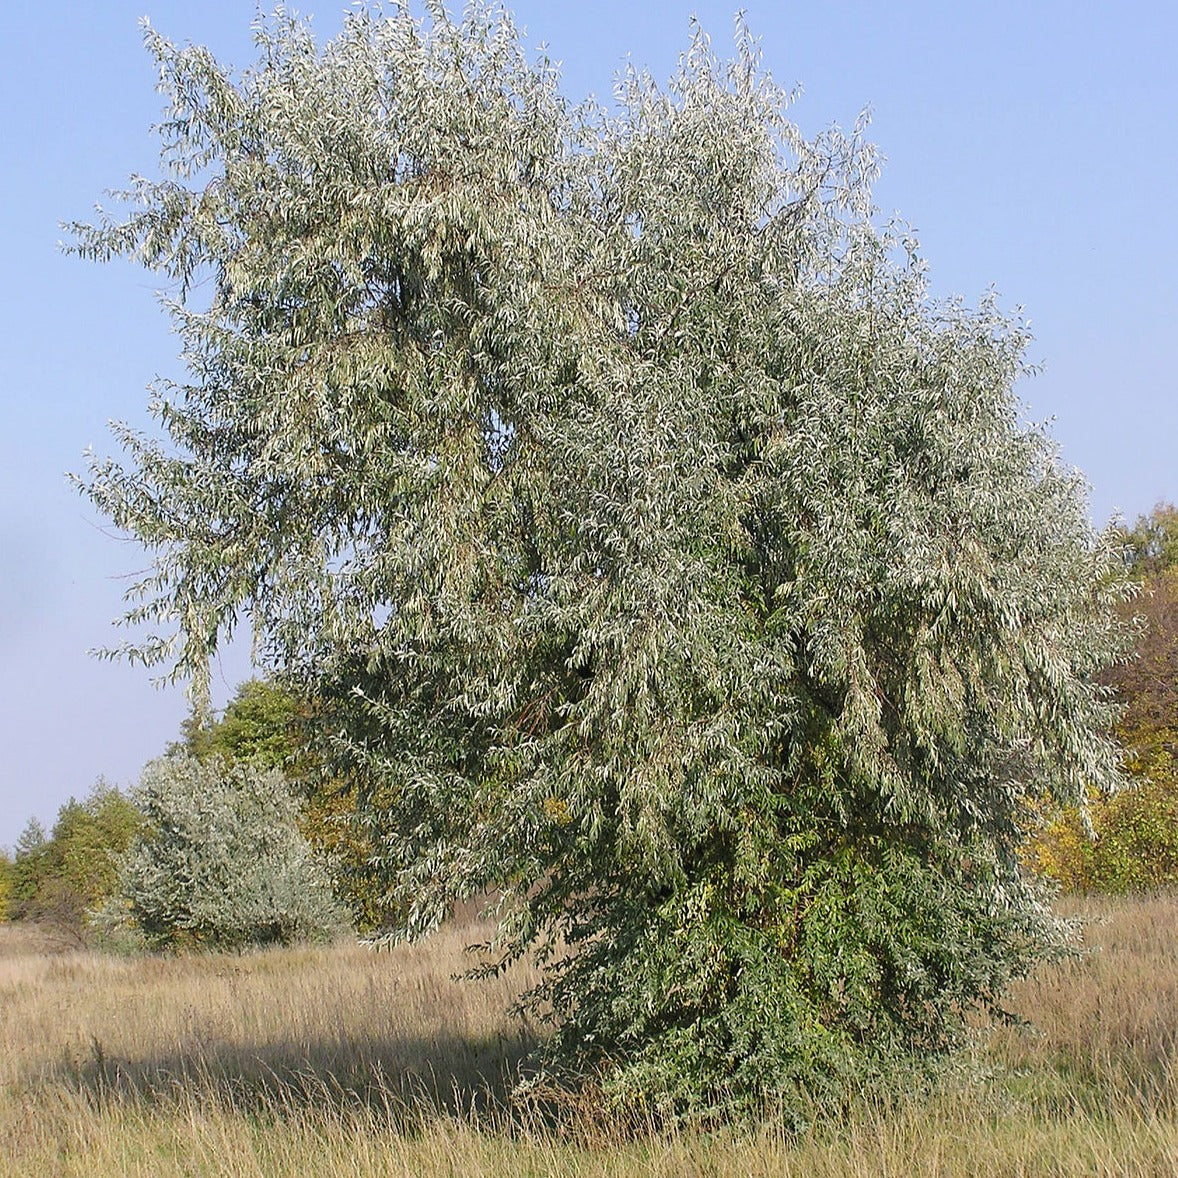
(345,1062)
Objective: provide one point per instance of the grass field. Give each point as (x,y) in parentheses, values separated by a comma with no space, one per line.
(345,1062)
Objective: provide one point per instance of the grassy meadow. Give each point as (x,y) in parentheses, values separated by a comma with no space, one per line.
(342,1061)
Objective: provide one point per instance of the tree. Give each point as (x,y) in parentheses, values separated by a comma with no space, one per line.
(1150,546)
(221,863)
(1133,842)
(1148,682)
(5,884)
(268,726)
(29,854)
(265,725)
(58,878)
(664,556)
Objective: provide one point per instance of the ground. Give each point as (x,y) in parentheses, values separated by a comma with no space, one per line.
(343,1061)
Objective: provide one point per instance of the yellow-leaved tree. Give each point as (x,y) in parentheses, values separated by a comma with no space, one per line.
(1133,844)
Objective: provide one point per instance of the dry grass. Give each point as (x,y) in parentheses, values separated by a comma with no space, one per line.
(343,1062)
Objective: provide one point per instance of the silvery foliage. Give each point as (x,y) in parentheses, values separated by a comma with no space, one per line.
(221,862)
(682,571)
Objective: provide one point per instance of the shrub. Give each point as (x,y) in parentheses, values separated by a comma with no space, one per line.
(1133,845)
(269,726)
(221,862)
(1136,847)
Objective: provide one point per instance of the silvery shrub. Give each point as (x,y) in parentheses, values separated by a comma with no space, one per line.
(220,862)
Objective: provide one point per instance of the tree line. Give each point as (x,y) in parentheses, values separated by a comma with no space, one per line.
(1127,841)
(231,838)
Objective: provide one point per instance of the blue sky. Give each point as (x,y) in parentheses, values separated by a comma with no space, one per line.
(1031,144)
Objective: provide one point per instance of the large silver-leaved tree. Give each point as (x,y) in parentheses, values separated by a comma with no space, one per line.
(668,563)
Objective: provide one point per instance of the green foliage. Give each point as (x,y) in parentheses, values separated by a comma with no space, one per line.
(27,868)
(351,854)
(57,878)
(264,725)
(1133,845)
(662,557)
(5,884)
(1151,544)
(1136,849)
(220,862)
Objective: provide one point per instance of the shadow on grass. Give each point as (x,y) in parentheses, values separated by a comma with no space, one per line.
(398,1082)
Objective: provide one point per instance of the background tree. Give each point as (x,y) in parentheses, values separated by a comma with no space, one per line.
(268,726)
(1147,684)
(265,724)
(5,884)
(57,878)
(662,555)
(26,866)
(1151,544)
(220,862)
(1133,845)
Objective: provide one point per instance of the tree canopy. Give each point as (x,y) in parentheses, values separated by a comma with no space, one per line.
(669,561)
(1148,683)
(1150,546)
(264,725)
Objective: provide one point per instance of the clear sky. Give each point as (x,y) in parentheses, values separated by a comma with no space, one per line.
(1031,143)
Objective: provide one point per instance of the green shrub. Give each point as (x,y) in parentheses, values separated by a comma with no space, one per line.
(221,862)
(1136,847)
(1133,846)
